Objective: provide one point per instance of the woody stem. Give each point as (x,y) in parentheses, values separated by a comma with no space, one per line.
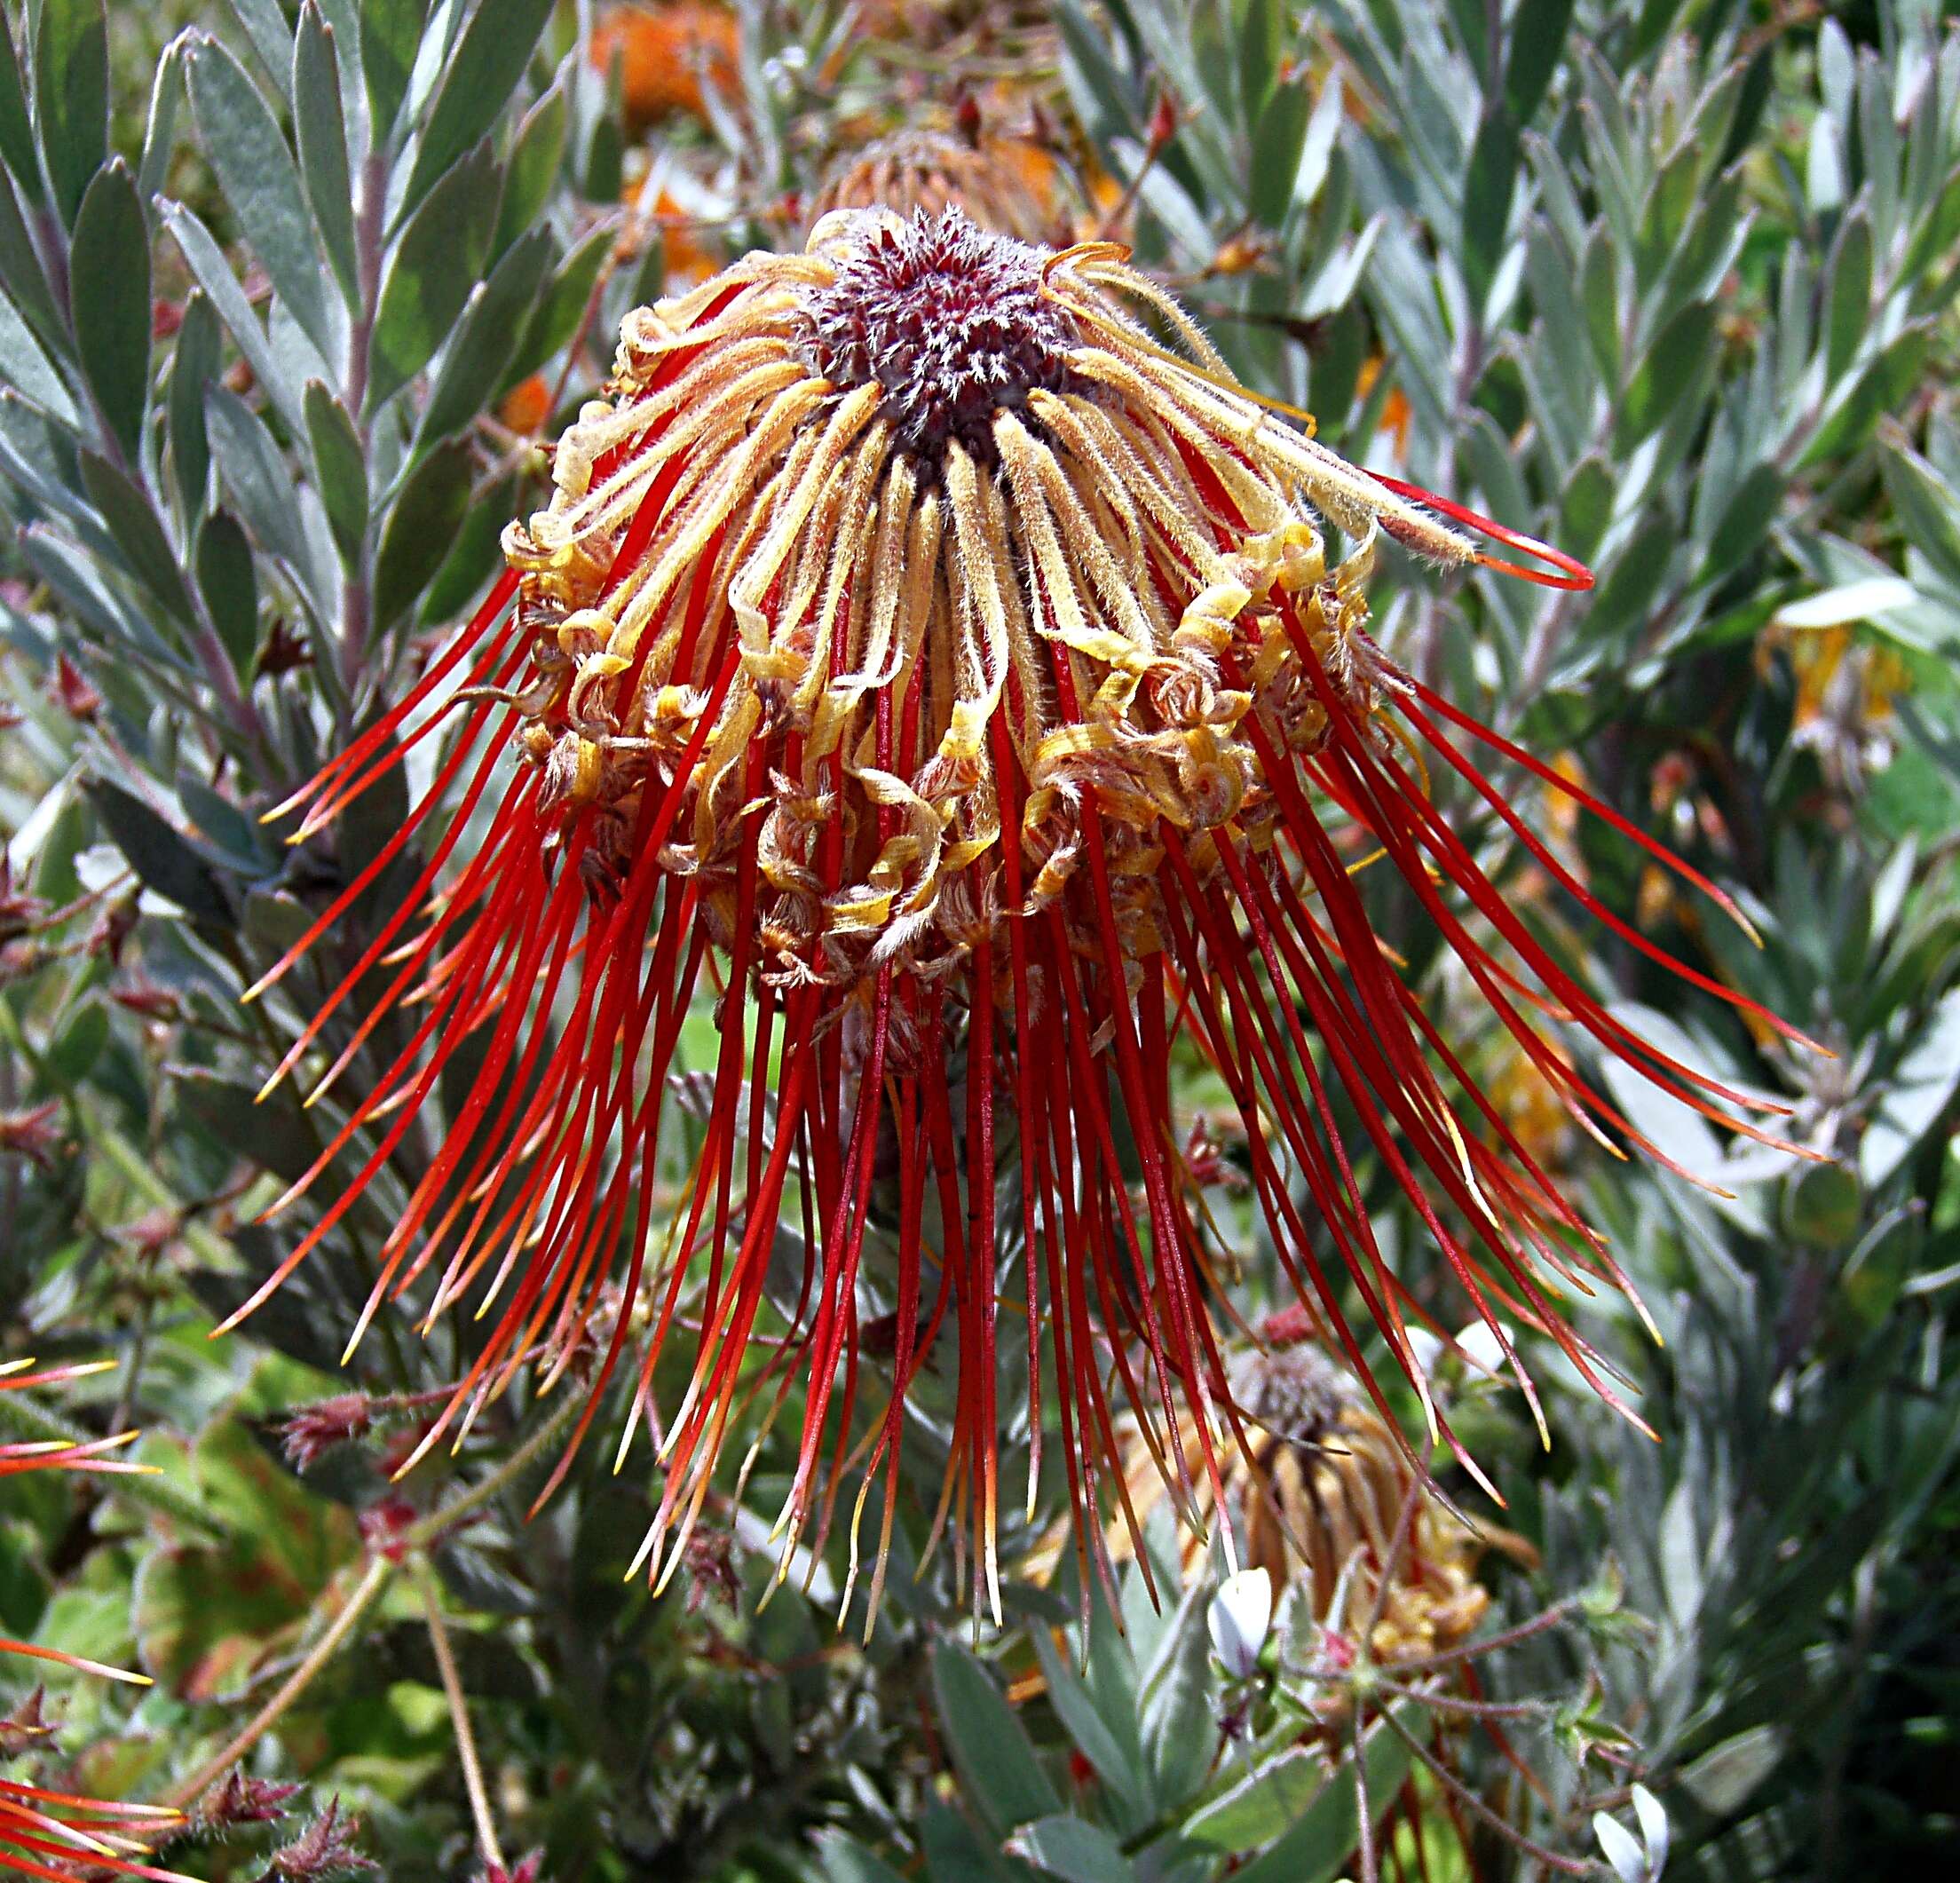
(187,1791)
(459,1713)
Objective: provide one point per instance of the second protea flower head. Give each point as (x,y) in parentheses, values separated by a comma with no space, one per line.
(928,646)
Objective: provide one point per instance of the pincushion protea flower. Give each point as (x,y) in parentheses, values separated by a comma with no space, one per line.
(917,651)
(43,1833)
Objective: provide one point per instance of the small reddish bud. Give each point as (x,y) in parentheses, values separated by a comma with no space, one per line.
(26,1726)
(324,1849)
(238,1799)
(32,1134)
(314,1430)
(525,1869)
(71,690)
(146,999)
(1163,121)
(112,926)
(19,911)
(1291,1325)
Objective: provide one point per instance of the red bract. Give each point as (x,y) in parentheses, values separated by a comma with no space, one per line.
(922,660)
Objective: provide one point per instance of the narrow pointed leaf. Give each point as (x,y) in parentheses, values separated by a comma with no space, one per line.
(138,532)
(71,96)
(109,301)
(489,60)
(322,139)
(995,1761)
(247,149)
(214,276)
(227,582)
(420,530)
(486,338)
(194,366)
(438,260)
(340,469)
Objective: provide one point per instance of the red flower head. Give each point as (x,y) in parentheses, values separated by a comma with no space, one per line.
(52,1833)
(921,658)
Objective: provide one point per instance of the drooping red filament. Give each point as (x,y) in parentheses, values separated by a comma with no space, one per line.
(563,1196)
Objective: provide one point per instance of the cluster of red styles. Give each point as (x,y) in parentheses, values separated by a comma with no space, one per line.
(981,724)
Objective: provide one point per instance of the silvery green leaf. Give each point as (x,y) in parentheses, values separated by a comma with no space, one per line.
(138,534)
(483,67)
(71,96)
(268,35)
(1071,1848)
(193,366)
(1262,36)
(163,858)
(213,273)
(16,150)
(1881,386)
(1179,1732)
(344,18)
(1824,174)
(1665,373)
(485,338)
(1599,294)
(1928,506)
(25,365)
(261,183)
(391,34)
(537,152)
(251,467)
(1745,518)
(340,470)
(1316,1847)
(160,127)
(229,585)
(990,1750)
(420,530)
(438,260)
(1488,187)
(109,302)
(1720,1781)
(561,307)
(1847,306)
(75,578)
(1279,141)
(1099,1740)
(1260,1805)
(321,136)
(1535,40)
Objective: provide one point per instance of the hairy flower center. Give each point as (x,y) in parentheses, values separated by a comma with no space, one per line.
(950,320)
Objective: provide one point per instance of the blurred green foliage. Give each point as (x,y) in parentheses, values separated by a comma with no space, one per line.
(284,301)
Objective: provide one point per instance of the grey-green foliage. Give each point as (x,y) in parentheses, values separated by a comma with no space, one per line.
(1671,285)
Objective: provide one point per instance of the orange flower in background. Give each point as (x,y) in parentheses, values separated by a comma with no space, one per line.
(666,51)
(922,660)
(528,405)
(46,1833)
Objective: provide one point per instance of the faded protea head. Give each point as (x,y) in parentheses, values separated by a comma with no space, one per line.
(928,642)
(1006,184)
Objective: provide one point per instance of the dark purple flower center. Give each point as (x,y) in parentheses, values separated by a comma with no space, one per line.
(950,320)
